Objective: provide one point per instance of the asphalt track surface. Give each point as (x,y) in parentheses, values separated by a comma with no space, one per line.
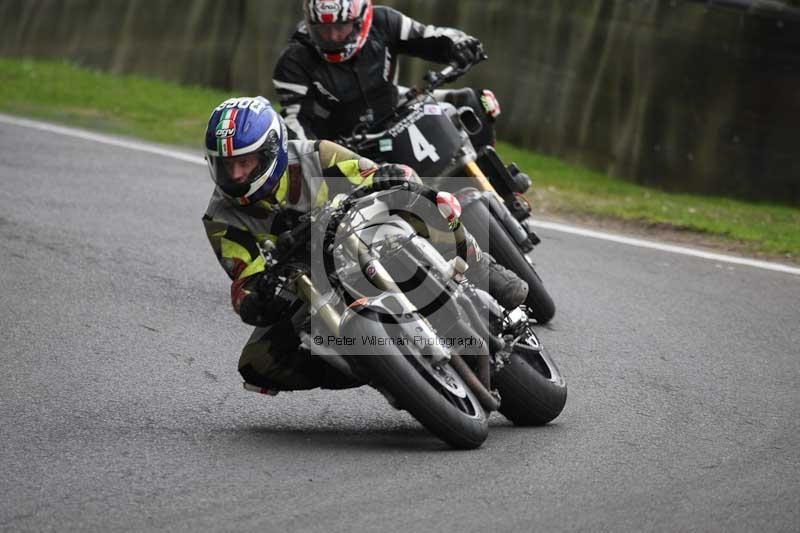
(121,407)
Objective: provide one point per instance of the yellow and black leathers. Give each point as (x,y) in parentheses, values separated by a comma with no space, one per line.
(317,171)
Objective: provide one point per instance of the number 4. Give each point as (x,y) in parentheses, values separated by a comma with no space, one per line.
(422,148)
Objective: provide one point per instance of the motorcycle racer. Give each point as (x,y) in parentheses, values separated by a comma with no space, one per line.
(262,182)
(341,68)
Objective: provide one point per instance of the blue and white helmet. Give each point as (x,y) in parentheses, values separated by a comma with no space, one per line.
(240,127)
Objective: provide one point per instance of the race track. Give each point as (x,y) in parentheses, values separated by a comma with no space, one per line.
(121,407)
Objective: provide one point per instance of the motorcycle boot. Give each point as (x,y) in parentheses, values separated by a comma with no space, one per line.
(502,284)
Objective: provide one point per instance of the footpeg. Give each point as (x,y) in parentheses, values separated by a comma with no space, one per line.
(528,225)
(519,207)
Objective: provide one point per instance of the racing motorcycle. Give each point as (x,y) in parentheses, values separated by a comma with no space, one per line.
(385,308)
(435,141)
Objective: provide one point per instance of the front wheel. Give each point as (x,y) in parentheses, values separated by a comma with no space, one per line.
(436,396)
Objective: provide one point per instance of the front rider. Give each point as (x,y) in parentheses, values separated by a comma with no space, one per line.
(261,179)
(341,67)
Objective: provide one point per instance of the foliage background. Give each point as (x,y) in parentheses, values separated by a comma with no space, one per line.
(696,96)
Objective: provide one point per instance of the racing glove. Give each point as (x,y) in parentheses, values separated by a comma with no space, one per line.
(390,175)
(259,300)
(467,52)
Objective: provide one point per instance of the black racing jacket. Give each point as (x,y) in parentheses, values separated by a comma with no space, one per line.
(325,100)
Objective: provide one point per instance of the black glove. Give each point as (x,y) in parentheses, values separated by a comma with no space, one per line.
(467,52)
(262,306)
(390,175)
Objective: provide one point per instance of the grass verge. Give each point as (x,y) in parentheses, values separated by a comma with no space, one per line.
(174,114)
(126,105)
(572,191)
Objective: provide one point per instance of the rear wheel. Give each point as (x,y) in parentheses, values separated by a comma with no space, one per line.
(436,396)
(507,253)
(532,389)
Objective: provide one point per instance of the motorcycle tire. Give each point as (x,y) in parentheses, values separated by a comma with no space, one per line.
(460,422)
(533,391)
(508,254)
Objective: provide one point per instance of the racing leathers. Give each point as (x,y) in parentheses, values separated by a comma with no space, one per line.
(317,171)
(327,100)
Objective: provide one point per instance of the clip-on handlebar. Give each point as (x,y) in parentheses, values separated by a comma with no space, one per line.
(433,80)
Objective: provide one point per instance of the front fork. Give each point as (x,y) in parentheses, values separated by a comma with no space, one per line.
(380,278)
(523,235)
(330,317)
(481,181)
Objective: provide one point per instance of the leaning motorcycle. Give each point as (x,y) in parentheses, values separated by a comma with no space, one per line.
(386,309)
(435,141)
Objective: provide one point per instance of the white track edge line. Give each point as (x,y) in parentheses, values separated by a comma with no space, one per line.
(670,248)
(564,228)
(105,139)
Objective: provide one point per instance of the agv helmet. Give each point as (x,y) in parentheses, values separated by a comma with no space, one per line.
(246,148)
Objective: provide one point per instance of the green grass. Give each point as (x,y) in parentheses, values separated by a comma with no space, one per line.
(569,189)
(128,105)
(174,114)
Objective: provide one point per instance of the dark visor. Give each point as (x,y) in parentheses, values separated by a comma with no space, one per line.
(333,37)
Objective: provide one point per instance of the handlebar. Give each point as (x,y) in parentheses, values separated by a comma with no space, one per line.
(449,73)
(282,256)
(365,132)
(400,185)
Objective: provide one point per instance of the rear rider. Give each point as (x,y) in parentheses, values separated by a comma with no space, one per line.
(340,68)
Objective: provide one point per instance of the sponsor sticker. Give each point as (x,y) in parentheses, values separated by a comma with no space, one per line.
(361,302)
(432,109)
(385,145)
(256,105)
(328,7)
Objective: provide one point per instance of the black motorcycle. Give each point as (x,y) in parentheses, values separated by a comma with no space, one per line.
(386,309)
(435,141)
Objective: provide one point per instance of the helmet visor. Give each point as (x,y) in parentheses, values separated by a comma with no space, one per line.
(334,37)
(241,176)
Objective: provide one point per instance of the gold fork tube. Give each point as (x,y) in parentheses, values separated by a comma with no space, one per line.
(309,294)
(481,181)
